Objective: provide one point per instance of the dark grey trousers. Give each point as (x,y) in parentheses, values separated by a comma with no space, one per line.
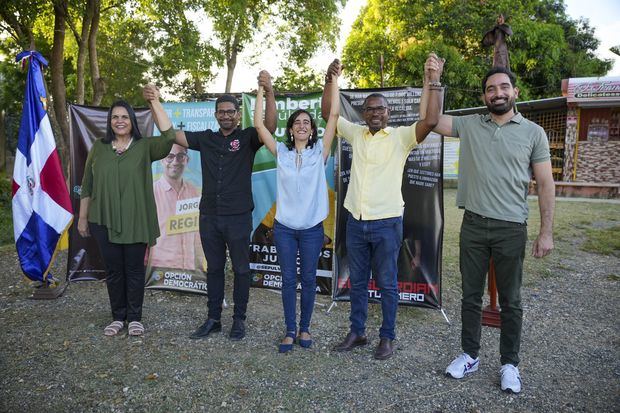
(482,238)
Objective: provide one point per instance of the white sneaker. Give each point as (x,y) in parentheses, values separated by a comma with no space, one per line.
(511,380)
(462,365)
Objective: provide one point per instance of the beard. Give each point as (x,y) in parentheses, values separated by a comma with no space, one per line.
(501,109)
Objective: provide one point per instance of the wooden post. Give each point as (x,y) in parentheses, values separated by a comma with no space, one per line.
(490,313)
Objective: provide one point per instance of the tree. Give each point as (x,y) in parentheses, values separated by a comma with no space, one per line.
(303,79)
(299,26)
(546,47)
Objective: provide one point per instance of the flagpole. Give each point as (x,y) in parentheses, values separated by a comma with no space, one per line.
(41,205)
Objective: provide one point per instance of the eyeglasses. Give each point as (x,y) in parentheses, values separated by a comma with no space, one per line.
(180,157)
(375,109)
(229,112)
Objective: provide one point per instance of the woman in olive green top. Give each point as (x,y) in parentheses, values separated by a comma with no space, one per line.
(118,208)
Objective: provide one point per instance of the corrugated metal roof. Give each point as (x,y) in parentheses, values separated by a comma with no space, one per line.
(540,104)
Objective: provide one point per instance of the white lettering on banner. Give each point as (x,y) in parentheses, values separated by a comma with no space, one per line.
(265,249)
(183,280)
(264,267)
(401,295)
(294,104)
(411,297)
(186,284)
(185,206)
(272,283)
(198,112)
(200,125)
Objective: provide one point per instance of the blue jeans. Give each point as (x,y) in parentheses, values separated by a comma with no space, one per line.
(308,243)
(374,245)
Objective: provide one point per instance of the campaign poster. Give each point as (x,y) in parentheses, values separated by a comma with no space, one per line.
(264,265)
(419,262)
(177,261)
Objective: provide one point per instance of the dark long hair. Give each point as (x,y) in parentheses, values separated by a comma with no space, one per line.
(135,131)
(290,143)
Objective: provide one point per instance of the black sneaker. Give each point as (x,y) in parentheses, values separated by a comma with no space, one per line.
(209,326)
(237,331)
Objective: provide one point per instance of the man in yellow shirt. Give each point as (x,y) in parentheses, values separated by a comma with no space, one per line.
(375,204)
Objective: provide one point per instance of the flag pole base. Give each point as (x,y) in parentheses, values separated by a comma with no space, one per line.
(46,293)
(491,317)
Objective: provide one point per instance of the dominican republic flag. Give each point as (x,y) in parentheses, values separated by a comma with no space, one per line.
(41,206)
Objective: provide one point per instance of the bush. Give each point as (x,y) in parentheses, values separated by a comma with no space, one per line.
(6,215)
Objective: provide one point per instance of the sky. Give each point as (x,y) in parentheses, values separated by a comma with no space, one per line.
(604,16)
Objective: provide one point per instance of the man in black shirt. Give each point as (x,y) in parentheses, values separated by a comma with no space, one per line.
(226,156)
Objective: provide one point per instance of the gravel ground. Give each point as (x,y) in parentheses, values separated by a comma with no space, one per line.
(54,357)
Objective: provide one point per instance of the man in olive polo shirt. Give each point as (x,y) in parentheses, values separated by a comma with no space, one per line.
(375,204)
(226,205)
(498,153)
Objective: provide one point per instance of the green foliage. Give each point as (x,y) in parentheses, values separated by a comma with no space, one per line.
(300,26)
(547,45)
(304,79)
(6,216)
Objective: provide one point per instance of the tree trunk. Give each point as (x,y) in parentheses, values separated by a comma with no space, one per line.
(82,41)
(98,83)
(230,69)
(2,143)
(59,93)
(231,61)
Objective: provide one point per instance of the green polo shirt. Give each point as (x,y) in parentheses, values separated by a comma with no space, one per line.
(495,164)
(120,188)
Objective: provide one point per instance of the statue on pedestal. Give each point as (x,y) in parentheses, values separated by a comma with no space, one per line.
(496,37)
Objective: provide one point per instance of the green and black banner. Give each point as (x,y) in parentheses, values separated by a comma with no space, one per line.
(419,262)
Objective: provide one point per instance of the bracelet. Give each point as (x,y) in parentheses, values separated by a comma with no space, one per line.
(435,83)
(435,88)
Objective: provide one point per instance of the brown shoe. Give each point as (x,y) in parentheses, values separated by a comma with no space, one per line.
(384,350)
(351,341)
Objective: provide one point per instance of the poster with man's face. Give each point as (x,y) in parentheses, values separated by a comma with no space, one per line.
(177,261)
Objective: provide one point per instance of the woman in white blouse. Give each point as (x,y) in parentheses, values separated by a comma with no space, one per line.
(301,207)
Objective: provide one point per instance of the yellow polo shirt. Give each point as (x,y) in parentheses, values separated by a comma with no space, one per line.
(377,170)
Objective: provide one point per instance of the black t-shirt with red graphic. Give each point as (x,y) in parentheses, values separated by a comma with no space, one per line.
(226,169)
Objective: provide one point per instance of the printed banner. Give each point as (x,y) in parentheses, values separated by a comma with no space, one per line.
(451,147)
(419,262)
(86,124)
(593,89)
(263,255)
(177,261)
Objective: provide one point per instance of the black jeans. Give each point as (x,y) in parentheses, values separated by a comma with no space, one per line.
(482,238)
(126,274)
(217,232)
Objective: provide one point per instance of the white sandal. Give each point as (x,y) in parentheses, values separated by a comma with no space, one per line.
(113,328)
(136,328)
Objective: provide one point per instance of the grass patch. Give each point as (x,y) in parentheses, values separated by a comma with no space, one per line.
(603,241)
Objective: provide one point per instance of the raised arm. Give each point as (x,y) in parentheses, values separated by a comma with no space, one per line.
(545,187)
(432,65)
(426,124)
(263,133)
(271,115)
(151,95)
(334,69)
(334,113)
